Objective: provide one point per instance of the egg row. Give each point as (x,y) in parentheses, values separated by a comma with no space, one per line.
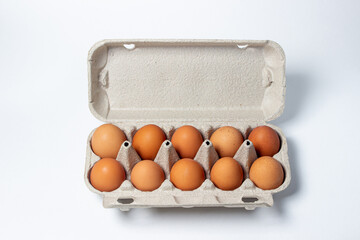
(107,139)
(186,174)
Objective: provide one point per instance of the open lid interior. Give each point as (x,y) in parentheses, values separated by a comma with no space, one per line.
(186,80)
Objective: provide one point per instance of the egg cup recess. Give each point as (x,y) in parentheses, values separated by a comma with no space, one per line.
(207,194)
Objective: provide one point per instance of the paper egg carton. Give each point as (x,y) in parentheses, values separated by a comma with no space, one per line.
(203,83)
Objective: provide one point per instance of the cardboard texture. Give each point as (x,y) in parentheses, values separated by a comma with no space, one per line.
(203,83)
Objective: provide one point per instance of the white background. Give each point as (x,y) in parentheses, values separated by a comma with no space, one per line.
(45,118)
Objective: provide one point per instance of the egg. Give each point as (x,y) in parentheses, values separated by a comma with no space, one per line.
(266,141)
(107,174)
(187,141)
(226,141)
(147,175)
(106,141)
(147,141)
(227,174)
(187,174)
(266,173)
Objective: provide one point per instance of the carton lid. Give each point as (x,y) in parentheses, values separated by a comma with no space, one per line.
(186,80)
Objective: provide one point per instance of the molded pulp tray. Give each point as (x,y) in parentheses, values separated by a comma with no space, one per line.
(203,83)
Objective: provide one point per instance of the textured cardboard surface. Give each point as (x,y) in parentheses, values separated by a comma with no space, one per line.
(186,80)
(207,84)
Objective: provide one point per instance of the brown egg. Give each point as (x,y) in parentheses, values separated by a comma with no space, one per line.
(187,141)
(106,141)
(266,173)
(226,141)
(187,174)
(147,141)
(147,175)
(266,141)
(227,174)
(107,174)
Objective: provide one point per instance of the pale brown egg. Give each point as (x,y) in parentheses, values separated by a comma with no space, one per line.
(226,141)
(187,141)
(106,141)
(227,174)
(266,141)
(107,174)
(266,173)
(187,174)
(147,141)
(147,175)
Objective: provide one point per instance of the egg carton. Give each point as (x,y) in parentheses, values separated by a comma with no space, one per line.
(203,83)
